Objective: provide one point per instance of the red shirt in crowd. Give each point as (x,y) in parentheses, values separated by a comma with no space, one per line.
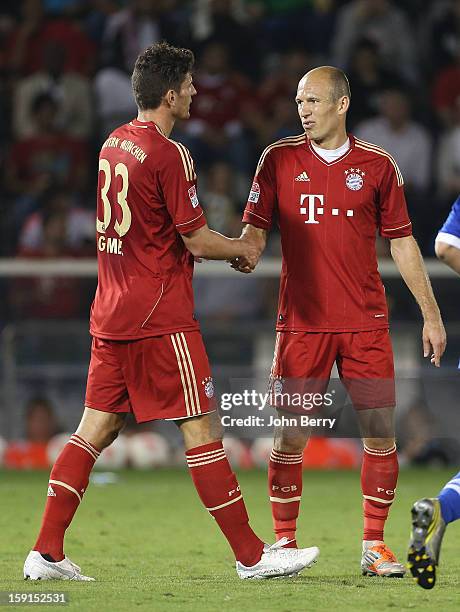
(446,89)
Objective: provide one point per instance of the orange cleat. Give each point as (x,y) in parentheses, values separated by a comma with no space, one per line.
(378,560)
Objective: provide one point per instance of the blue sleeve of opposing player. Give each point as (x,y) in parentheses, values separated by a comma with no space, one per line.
(450,231)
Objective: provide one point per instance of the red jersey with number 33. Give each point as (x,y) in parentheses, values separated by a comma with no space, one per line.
(146,198)
(328,214)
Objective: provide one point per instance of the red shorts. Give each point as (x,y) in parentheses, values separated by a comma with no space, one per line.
(303,362)
(163,377)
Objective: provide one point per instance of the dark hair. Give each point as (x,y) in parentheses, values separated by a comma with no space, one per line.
(39,400)
(41,100)
(158,69)
(367,44)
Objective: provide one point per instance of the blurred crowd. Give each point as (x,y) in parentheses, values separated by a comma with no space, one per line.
(152,445)
(66,65)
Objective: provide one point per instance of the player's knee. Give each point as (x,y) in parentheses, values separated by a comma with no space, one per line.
(111,436)
(106,435)
(442,250)
(290,440)
(201,430)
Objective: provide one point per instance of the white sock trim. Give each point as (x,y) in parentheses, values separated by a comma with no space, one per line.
(212,460)
(378,452)
(76,443)
(378,499)
(232,501)
(66,486)
(281,500)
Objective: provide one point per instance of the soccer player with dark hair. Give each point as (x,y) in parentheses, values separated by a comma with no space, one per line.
(331,193)
(147,354)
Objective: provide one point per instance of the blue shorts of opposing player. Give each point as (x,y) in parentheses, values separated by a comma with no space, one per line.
(450,231)
(449,499)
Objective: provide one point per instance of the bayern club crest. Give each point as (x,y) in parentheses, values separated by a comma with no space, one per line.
(354,179)
(208,387)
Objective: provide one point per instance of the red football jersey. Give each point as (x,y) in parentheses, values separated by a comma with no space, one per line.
(328,214)
(146,198)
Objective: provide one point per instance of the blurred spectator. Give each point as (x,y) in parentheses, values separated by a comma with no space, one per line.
(9,10)
(128,32)
(280,24)
(319,28)
(407,141)
(227,21)
(49,156)
(72,90)
(7,25)
(216,129)
(448,163)
(78,226)
(217,19)
(114,100)
(277,98)
(385,24)
(48,297)
(410,144)
(446,91)
(218,199)
(40,426)
(367,81)
(63,7)
(445,34)
(24,46)
(228,297)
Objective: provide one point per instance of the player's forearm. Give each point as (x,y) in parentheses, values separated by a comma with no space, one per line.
(209,244)
(255,235)
(409,261)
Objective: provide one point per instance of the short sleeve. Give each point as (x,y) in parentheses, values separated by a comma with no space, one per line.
(178,184)
(262,199)
(394,218)
(450,231)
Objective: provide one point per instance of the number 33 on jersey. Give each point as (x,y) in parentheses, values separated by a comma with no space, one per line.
(146,198)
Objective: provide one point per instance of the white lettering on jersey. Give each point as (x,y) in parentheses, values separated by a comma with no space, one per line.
(311,210)
(110,245)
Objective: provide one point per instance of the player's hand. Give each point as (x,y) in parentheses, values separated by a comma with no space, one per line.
(249,258)
(434,341)
(240,264)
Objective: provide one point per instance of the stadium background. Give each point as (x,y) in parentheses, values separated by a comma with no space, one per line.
(65,67)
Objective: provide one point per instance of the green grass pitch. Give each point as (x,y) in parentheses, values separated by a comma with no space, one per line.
(151,546)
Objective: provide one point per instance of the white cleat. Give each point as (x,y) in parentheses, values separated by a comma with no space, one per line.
(38,568)
(277,561)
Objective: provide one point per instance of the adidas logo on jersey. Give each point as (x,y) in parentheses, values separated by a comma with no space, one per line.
(303,176)
(51,493)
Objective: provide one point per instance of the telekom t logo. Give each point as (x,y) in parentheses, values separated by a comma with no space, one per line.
(315,206)
(310,212)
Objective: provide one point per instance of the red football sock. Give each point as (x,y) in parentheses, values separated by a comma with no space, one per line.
(68,481)
(219,491)
(285,490)
(379,475)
